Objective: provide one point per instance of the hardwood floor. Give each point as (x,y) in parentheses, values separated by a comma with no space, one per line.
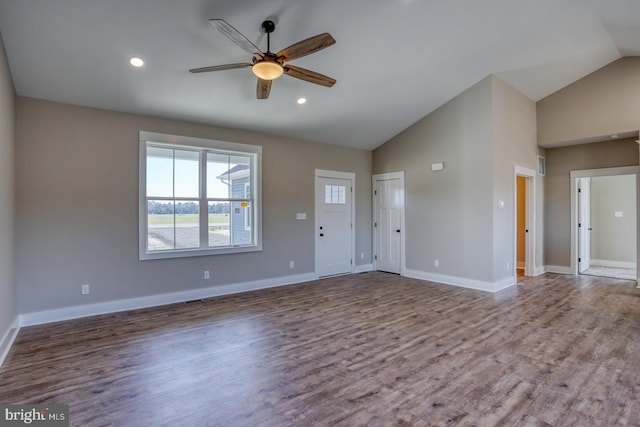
(368,349)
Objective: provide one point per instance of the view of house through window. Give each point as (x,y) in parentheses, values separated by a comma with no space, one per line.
(198,199)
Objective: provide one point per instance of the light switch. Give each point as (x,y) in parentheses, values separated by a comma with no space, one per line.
(618,214)
(301,216)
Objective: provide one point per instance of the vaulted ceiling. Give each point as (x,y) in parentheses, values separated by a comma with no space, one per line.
(395,61)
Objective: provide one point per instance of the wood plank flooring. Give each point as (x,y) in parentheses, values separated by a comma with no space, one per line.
(370,349)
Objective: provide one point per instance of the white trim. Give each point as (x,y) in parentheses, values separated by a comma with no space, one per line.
(254,151)
(558,269)
(463,282)
(7,340)
(364,268)
(612,263)
(589,173)
(530,217)
(383,177)
(538,271)
(350,176)
(192,142)
(574,175)
(48,316)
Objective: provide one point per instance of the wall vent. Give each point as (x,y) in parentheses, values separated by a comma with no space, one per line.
(541,166)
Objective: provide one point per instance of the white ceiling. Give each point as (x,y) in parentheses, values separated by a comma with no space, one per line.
(395,60)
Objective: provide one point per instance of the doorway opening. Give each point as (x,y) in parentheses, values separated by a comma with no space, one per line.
(524,247)
(605,222)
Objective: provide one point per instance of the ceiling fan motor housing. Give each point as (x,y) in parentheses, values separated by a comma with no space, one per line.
(268,26)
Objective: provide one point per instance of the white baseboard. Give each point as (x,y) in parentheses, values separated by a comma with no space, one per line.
(558,269)
(612,264)
(462,282)
(7,340)
(538,271)
(362,268)
(57,315)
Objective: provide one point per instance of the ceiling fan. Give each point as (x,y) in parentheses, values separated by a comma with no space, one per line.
(268,66)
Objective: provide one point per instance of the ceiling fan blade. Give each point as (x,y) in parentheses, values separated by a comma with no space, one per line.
(263,89)
(219,67)
(236,36)
(306,47)
(309,76)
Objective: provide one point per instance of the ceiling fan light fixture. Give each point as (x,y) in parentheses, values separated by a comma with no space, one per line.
(267,70)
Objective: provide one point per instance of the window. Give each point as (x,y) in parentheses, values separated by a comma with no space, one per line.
(334,194)
(197,197)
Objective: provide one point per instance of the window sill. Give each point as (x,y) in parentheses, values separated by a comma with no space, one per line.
(186,253)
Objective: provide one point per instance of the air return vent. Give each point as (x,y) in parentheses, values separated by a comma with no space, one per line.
(541,165)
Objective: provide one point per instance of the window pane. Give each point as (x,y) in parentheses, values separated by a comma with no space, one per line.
(219,224)
(241,223)
(187,168)
(341,192)
(159,172)
(187,225)
(160,221)
(240,169)
(217,176)
(335,194)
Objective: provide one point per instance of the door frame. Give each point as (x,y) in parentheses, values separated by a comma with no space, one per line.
(350,176)
(574,175)
(374,239)
(530,220)
(584,223)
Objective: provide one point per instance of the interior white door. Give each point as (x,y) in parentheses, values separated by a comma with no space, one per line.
(333,226)
(584,224)
(388,204)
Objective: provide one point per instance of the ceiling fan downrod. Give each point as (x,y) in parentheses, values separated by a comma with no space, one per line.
(269,27)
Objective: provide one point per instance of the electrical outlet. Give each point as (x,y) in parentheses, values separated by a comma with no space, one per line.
(292,264)
(85,290)
(436,263)
(206,274)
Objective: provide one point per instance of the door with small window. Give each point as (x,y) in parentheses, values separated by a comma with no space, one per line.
(333,226)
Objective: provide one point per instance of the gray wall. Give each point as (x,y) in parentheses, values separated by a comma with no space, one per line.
(603,103)
(77,198)
(613,238)
(453,215)
(448,214)
(514,144)
(560,162)
(8,310)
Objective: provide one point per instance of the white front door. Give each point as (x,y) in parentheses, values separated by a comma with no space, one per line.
(388,202)
(584,224)
(333,226)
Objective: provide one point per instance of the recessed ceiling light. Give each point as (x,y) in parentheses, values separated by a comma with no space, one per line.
(136,62)
(301,101)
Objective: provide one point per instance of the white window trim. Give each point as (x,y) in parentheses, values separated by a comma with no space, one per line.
(199,143)
(247,217)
